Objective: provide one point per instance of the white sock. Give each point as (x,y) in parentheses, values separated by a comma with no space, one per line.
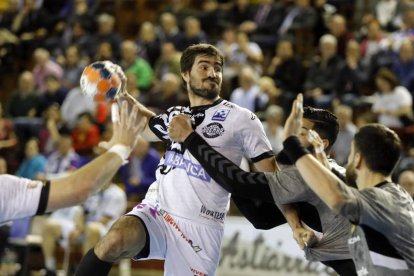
(50,263)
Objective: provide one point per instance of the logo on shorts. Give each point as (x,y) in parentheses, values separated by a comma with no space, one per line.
(212,130)
(197,272)
(171,222)
(215,215)
(220,115)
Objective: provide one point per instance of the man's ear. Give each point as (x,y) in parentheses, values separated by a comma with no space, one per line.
(186,76)
(358,160)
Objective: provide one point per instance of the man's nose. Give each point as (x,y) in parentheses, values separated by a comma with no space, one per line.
(212,73)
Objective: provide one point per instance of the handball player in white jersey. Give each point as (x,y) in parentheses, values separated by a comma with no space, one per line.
(21,197)
(182,217)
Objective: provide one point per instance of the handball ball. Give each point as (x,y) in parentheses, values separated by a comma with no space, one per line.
(100,82)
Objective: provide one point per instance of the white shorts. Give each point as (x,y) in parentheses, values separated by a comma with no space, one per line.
(188,248)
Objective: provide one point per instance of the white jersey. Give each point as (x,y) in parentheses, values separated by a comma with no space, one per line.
(183,188)
(19,197)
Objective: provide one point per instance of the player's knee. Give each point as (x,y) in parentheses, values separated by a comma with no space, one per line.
(125,239)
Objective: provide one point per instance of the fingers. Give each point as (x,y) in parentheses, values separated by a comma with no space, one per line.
(124,113)
(115,113)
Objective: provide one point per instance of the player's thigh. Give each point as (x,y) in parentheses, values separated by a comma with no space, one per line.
(193,249)
(125,239)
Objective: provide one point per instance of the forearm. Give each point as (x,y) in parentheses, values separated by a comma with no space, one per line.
(79,185)
(226,173)
(291,215)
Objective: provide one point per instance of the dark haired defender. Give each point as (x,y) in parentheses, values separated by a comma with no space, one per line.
(382,213)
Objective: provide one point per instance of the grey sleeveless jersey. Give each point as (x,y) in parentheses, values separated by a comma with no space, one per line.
(382,239)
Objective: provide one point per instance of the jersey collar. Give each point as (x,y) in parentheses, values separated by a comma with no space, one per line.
(207,106)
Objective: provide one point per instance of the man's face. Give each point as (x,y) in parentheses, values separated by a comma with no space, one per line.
(351,174)
(205,77)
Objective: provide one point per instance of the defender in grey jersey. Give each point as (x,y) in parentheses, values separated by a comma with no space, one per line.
(284,187)
(382,239)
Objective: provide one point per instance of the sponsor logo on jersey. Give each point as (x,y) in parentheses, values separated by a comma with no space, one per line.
(354,240)
(363,271)
(220,115)
(215,215)
(177,160)
(212,130)
(252,116)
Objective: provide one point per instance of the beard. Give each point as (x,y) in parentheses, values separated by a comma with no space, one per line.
(209,94)
(351,176)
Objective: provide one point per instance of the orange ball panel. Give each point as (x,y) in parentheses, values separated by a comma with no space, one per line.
(104,86)
(99,97)
(87,70)
(93,76)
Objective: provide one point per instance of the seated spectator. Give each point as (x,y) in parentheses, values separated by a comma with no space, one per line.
(353,75)
(72,67)
(131,62)
(44,66)
(371,45)
(55,93)
(105,52)
(322,76)
(288,72)
(106,33)
(85,135)
(347,130)
(248,94)
(300,16)
(63,160)
(25,100)
(193,34)
(148,43)
(338,28)
(168,30)
(403,65)
(392,103)
(33,163)
(166,94)
(273,126)
(76,34)
(242,11)
(168,62)
(266,18)
(53,127)
(139,173)
(239,51)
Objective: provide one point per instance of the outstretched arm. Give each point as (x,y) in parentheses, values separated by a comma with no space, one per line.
(76,187)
